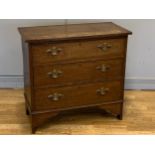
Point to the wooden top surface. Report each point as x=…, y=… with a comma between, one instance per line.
x=73, y=31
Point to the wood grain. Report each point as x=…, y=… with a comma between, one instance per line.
x=74, y=50
x=80, y=95
x=139, y=117
x=71, y=45
x=75, y=31
x=77, y=72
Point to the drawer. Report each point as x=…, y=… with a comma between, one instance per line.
x=71, y=73
x=89, y=94
x=52, y=52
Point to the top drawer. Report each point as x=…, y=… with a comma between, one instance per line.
x=52, y=52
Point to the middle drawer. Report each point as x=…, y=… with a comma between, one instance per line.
x=71, y=73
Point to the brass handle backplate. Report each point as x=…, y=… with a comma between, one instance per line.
x=103, y=68
x=54, y=73
x=102, y=91
x=104, y=46
x=54, y=51
x=55, y=96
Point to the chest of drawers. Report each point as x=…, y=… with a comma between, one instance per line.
x=72, y=67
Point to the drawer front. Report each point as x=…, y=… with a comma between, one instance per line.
x=81, y=95
x=48, y=53
x=72, y=73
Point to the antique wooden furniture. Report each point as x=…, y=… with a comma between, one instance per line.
x=73, y=66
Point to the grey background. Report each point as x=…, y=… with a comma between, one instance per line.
x=140, y=72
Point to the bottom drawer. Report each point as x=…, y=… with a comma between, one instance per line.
x=65, y=97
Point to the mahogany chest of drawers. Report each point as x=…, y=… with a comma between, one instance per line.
x=72, y=67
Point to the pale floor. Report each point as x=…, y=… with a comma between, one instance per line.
x=139, y=117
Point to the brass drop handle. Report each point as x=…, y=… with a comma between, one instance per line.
x=103, y=68
x=55, y=96
x=102, y=91
x=54, y=73
x=104, y=46
x=54, y=51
